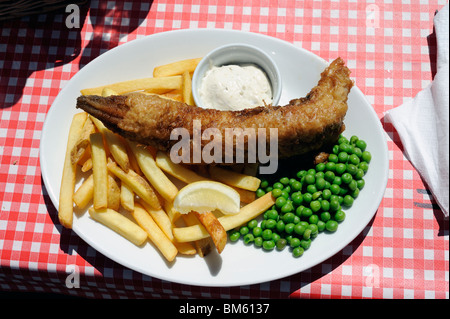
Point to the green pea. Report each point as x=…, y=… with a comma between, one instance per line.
x=268, y=189
x=306, y=213
x=289, y=228
x=320, y=183
x=314, y=229
x=334, y=205
x=244, y=230
x=344, y=147
x=287, y=208
x=249, y=238
x=268, y=244
x=331, y=166
x=310, y=179
x=316, y=195
x=275, y=237
x=354, y=139
x=288, y=217
x=280, y=202
x=280, y=226
x=311, y=188
x=266, y=234
x=315, y=206
x=364, y=166
x=297, y=198
x=325, y=216
x=343, y=157
x=299, y=210
x=351, y=169
x=325, y=205
x=348, y=200
x=346, y=178
x=320, y=225
x=258, y=241
x=331, y=225
x=342, y=139
x=340, y=168
x=335, y=189
x=295, y=242
x=281, y=243
x=359, y=174
x=354, y=159
x=366, y=156
x=326, y=193
x=272, y=214
x=307, y=198
x=360, y=183
x=361, y=145
x=252, y=224
x=235, y=235
x=333, y=158
x=320, y=167
x=299, y=229
x=264, y=183
x=260, y=192
x=301, y=173
x=313, y=219
x=296, y=186
x=335, y=150
x=339, y=216
x=353, y=185
x=305, y=243
x=257, y=231
x=276, y=192
x=278, y=185
x=270, y=224
x=329, y=176
x=284, y=181
x=298, y=251
x=287, y=189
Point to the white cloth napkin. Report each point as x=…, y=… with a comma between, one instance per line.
x=423, y=122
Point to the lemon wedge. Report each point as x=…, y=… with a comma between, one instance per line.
x=207, y=196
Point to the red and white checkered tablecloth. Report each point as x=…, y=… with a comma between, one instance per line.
x=389, y=46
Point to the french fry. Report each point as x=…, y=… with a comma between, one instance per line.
x=176, y=170
x=202, y=246
x=248, y=212
x=171, y=212
x=65, y=209
x=115, y=143
x=188, y=98
x=82, y=145
x=137, y=183
x=156, y=235
x=245, y=195
x=120, y=224
x=113, y=193
x=164, y=223
x=87, y=165
x=99, y=171
x=176, y=95
x=107, y=91
x=154, y=175
x=84, y=193
x=166, y=82
x=126, y=197
x=176, y=68
x=235, y=179
x=214, y=228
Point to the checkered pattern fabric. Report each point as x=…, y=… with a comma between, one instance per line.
x=390, y=48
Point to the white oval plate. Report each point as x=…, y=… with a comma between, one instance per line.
x=238, y=264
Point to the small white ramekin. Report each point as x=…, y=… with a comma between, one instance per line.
x=237, y=53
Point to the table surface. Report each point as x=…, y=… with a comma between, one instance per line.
x=391, y=50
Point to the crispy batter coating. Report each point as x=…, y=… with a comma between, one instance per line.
x=305, y=124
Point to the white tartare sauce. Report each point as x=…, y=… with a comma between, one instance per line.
x=234, y=87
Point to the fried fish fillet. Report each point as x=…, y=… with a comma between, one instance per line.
x=305, y=124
